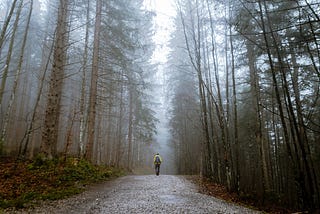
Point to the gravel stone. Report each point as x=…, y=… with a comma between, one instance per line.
x=140, y=194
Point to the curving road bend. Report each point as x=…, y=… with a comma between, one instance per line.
x=141, y=194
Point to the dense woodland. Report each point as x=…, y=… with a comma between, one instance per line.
x=75, y=80
x=242, y=81
x=244, y=87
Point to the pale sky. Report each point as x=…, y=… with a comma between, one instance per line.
x=164, y=24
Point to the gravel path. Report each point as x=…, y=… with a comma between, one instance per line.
x=141, y=194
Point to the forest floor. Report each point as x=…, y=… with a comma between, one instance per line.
x=210, y=188
x=25, y=183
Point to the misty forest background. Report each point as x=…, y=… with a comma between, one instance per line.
x=78, y=79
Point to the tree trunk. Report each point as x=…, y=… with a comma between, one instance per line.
x=130, y=134
x=258, y=122
x=94, y=83
x=196, y=63
x=19, y=68
x=52, y=114
x=5, y=76
x=9, y=55
x=296, y=166
x=235, y=112
x=30, y=127
x=83, y=86
x=305, y=176
x=68, y=138
x=109, y=147
x=118, y=140
x=302, y=135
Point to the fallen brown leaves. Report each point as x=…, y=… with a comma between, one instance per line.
x=23, y=183
x=219, y=191
x=15, y=180
x=210, y=188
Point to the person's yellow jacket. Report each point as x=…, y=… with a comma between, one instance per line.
x=154, y=159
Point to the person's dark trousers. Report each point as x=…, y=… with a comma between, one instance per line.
x=157, y=168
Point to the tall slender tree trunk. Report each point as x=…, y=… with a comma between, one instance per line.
x=98, y=147
x=216, y=157
x=9, y=55
x=196, y=63
x=5, y=76
x=130, y=133
x=30, y=128
x=118, y=140
x=255, y=94
x=52, y=114
x=230, y=177
x=295, y=164
x=198, y=66
x=227, y=157
x=83, y=86
x=18, y=72
x=301, y=129
x=220, y=111
x=94, y=84
x=235, y=111
x=109, y=147
x=68, y=139
x=305, y=175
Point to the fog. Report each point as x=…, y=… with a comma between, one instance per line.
x=162, y=139
x=163, y=24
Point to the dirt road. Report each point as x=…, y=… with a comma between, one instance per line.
x=141, y=194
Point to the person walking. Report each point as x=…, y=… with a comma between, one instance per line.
x=157, y=160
